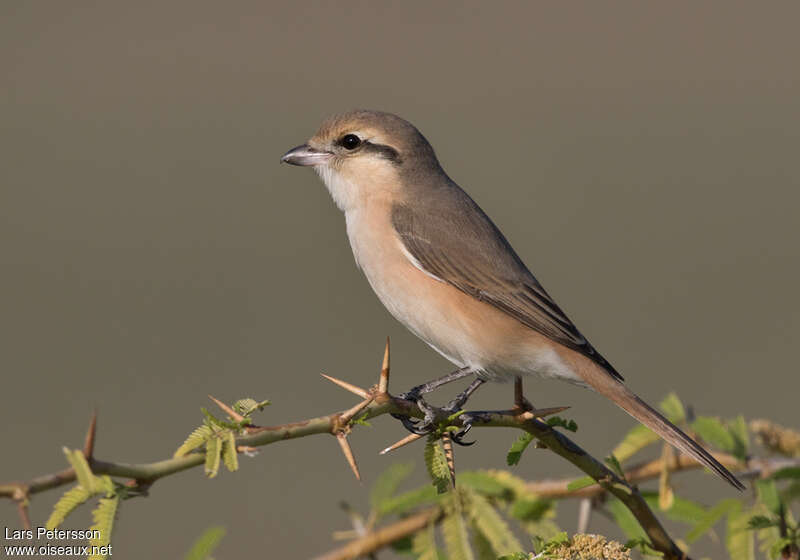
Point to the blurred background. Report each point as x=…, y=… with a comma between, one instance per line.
x=641, y=158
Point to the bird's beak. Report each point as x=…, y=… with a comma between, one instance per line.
x=306, y=155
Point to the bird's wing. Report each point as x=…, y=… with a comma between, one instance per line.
x=449, y=237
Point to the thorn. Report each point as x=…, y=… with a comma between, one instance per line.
x=447, y=445
x=348, y=454
x=345, y=385
x=247, y=450
x=542, y=412
x=584, y=514
x=348, y=415
x=405, y=441
x=236, y=417
x=383, y=383
x=88, y=444
x=21, y=497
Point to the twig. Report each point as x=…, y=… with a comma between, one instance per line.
x=384, y=536
x=753, y=468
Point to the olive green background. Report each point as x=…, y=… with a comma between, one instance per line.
x=642, y=159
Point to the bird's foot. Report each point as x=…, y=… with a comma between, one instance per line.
x=434, y=416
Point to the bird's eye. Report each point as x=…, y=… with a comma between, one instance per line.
x=350, y=141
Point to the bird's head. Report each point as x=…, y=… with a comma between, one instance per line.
x=364, y=154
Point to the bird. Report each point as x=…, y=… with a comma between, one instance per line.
x=443, y=269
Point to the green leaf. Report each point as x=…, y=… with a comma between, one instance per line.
x=423, y=544
x=569, y=425
x=213, y=453
x=82, y=470
x=762, y=522
x=791, y=493
x=673, y=408
x=454, y=530
x=229, y=456
x=613, y=463
x=786, y=473
x=639, y=437
x=517, y=448
x=388, y=482
x=482, y=546
x=66, y=504
x=768, y=494
x=486, y=520
x=776, y=550
x=484, y=483
x=625, y=520
x=530, y=510
x=403, y=545
x=741, y=437
x=213, y=421
x=682, y=510
x=196, y=439
x=740, y=542
x=579, y=483
x=104, y=516
x=403, y=503
x=437, y=465
x=712, y=430
x=205, y=544
x=247, y=406
x=711, y=517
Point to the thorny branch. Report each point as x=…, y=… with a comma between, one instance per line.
x=552, y=489
x=378, y=401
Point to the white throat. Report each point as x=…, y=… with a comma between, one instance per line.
x=343, y=191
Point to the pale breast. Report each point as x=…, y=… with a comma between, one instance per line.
x=464, y=330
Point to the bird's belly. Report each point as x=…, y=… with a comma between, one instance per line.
x=465, y=330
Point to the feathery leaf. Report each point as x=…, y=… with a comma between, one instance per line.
x=104, y=516
x=712, y=430
x=488, y=522
x=205, y=544
x=213, y=452
x=625, y=520
x=437, y=465
x=82, y=470
x=579, y=483
x=517, y=448
x=247, y=406
x=454, y=530
x=407, y=501
x=229, y=456
x=196, y=439
x=567, y=424
x=387, y=483
x=639, y=437
x=423, y=544
x=711, y=517
x=740, y=541
x=673, y=408
x=65, y=505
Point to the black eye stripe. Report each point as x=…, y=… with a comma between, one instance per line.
x=382, y=150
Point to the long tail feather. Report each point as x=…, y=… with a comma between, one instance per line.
x=650, y=417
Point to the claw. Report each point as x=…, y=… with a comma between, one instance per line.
x=412, y=424
x=458, y=437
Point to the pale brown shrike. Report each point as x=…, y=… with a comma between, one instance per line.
x=444, y=270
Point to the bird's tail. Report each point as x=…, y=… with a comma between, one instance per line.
x=653, y=419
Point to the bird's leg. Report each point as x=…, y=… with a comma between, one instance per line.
x=415, y=394
x=520, y=402
x=456, y=404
